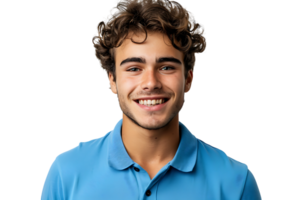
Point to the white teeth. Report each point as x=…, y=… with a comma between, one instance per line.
x=152, y=102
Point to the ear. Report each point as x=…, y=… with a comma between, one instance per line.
x=113, y=86
x=188, y=81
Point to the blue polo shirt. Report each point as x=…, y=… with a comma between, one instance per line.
x=101, y=169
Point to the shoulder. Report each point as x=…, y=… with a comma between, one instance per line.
x=83, y=149
x=69, y=164
x=83, y=154
x=232, y=177
x=214, y=157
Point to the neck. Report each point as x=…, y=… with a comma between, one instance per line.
x=147, y=147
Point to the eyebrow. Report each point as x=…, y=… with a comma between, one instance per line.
x=159, y=60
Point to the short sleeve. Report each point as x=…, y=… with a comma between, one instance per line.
x=251, y=191
x=53, y=185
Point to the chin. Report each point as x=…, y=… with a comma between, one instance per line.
x=151, y=124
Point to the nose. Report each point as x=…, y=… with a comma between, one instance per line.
x=150, y=80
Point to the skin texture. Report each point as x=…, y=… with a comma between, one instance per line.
x=151, y=137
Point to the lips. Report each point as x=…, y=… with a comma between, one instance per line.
x=152, y=108
x=137, y=100
x=151, y=98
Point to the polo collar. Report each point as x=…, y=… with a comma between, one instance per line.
x=184, y=159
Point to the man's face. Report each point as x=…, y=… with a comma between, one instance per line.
x=150, y=80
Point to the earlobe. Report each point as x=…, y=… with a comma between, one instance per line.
x=113, y=87
x=190, y=82
x=111, y=84
x=192, y=74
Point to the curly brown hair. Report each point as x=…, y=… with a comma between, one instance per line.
x=167, y=17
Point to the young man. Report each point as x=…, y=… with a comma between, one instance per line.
x=149, y=153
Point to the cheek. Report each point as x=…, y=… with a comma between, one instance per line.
x=126, y=85
x=175, y=83
x=127, y=81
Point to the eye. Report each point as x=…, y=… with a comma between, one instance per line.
x=131, y=69
x=162, y=68
x=168, y=67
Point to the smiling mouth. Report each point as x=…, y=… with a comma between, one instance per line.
x=165, y=100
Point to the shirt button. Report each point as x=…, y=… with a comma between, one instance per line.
x=148, y=193
x=136, y=169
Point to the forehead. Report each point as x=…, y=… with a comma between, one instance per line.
x=156, y=45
